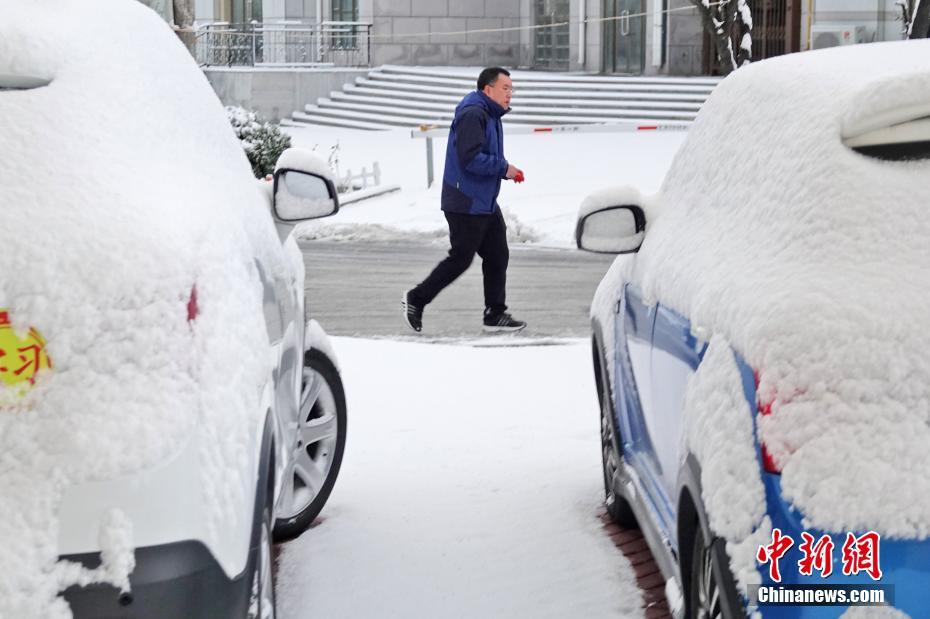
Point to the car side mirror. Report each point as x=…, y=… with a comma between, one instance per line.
x=303, y=187
x=611, y=222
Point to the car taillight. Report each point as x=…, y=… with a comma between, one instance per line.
x=192, y=309
x=765, y=408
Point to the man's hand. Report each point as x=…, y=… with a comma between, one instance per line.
x=514, y=173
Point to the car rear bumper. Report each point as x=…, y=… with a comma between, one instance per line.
x=171, y=580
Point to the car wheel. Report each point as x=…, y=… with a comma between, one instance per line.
x=262, y=599
x=618, y=508
x=713, y=590
x=317, y=453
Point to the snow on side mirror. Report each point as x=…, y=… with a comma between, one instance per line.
x=303, y=187
x=611, y=221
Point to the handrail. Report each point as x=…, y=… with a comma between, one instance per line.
x=334, y=43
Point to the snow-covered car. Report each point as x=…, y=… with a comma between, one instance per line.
x=761, y=350
x=167, y=409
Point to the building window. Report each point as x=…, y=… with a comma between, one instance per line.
x=345, y=10
x=551, y=44
x=246, y=11
x=344, y=37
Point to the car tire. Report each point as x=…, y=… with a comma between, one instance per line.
x=262, y=597
x=304, y=493
x=713, y=590
x=618, y=508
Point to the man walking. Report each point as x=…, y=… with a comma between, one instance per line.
x=475, y=166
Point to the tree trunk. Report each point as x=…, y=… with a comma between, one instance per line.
x=184, y=20
x=920, y=20
x=729, y=25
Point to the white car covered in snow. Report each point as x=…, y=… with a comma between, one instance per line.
x=762, y=351
x=166, y=409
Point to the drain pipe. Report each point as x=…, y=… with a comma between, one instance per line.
x=810, y=21
x=581, y=34
x=658, y=26
x=319, y=30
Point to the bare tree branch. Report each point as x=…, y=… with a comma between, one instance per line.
x=729, y=23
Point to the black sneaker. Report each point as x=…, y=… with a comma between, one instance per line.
x=413, y=314
x=501, y=323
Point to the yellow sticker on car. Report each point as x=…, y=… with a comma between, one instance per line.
x=21, y=357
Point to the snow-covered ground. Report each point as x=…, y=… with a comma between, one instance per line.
x=561, y=169
x=470, y=488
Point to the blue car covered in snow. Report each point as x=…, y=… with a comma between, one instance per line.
x=758, y=345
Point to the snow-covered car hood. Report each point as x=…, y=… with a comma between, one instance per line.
x=122, y=187
x=812, y=261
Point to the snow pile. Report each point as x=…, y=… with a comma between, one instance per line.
x=517, y=231
x=123, y=187
x=621, y=195
x=313, y=231
x=561, y=169
x=305, y=161
x=116, y=553
x=718, y=430
x=812, y=261
x=489, y=507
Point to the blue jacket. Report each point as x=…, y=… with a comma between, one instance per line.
x=475, y=161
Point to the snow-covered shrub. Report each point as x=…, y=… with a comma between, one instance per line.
x=262, y=141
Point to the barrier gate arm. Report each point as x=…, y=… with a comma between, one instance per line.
x=436, y=131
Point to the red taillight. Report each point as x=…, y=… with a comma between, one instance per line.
x=192, y=309
x=768, y=462
x=765, y=408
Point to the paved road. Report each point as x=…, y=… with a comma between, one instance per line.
x=355, y=288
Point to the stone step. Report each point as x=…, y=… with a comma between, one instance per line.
x=455, y=96
x=394, y=96
x=536, y=76
x=552, y=115
x=520, y=101
x=467, y=84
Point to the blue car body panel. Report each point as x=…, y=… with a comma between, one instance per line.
x=656, y=351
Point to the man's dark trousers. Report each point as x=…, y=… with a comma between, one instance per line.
x=485, y=235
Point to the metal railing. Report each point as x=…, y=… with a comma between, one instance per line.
x=342, y=44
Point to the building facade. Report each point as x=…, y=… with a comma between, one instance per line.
x=630, y=37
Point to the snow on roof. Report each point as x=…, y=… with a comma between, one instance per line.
x=122, y=187
x=812, y=260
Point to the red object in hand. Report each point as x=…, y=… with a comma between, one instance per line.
x=518, y=178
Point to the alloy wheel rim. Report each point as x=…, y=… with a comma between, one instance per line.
x=708, y=591
x=315, y=446
x=608, y=459
x=267, y=588
x=261, y=600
